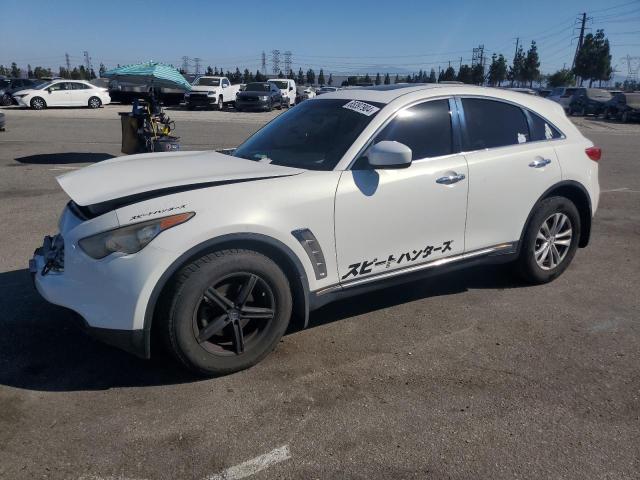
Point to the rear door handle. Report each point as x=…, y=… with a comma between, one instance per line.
x=540, y=162
x=450, y=179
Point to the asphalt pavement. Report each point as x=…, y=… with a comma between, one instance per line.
x=469, y=375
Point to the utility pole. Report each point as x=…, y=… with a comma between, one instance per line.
x=515, y=55
x=460, y=64
x=68, y=62
x=87, y=63
x=287, y=62
x=196, y=62
x=275, y=61
x=263, y=67
x=580, y=40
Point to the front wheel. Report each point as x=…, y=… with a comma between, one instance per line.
x=550, y=241
x=220, y=104
x=5, y=101
x=227, y=311
x=625, y=117
x=38, y=103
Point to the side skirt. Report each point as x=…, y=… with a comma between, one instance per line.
x=502, y=253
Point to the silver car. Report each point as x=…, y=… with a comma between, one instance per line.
x=562, y=95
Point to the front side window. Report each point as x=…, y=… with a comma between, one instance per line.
x=313, y=136
x=491, y=124
x=59, y=86
x=424, y=128
x=541, y=129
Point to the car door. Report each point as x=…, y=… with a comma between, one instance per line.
x=59, y=95
x=225, y=93
x=80, y=93
x=389, y=220
x=508, y=171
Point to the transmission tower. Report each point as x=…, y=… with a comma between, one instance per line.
x=263, y=65
x=185, y=64
x=287, y=62
x=68, y=63
x=275, y=61
x=477, y=57
x=196, y=62
x=633, y=65
x=87, y=62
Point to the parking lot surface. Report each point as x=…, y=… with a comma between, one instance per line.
x=467, y=375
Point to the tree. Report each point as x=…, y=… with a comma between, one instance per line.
x=29, y=71
x=300, y=79
x=247, y=77
x=378, y=80
x=516, y=70
x=432, y=77
x=531, y=65
x=15, y=71
x=260, y=77
x=209, y=71
x=280, y=74
x=330, y=81
x=477, y=74
x=594, y=58
x=311, y=76
x=366, y=79
x=464, y=74
x=497, y=70
x=387, y=80
x=291, y=75
x=561, y=78
x=448, y=75
x=397, y=79
x=103, y=69
x=92, y=74
x=321, y=77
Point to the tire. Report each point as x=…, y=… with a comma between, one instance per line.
x=624, y=118
x=607, y=115
x=238, y=109
x=220, y=104
x=270, y=106
x=279, y=107
x=5, y=101
x=197, y=297
x=95, y=102
x=570, y=112
x=38, y=103
x=583, y=112
x=529, y=264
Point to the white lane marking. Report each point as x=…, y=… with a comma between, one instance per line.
x=63, y=168
x=109, y=477
x=253, y=466
x=616, y=190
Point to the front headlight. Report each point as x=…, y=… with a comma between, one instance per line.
x=211, y=93
x=20, y=95
x=264, y=97
x=131, y=238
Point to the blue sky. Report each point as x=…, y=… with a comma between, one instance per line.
x=340, y=36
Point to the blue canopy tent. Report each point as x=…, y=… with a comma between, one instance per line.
x=154, y=74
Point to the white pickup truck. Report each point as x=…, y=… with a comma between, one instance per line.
x=211, y=92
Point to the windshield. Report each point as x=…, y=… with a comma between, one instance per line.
x=314, y=135
x=258, y=87
x=43, y=86
x=208, y=82
x=598, y=94
x=280, y=84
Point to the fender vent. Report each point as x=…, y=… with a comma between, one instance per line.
x=310, y=244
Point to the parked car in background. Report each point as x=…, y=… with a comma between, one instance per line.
x=562, y=95
x=588, y=101
x=8, y=86
x=287, y=89
x=624, y=107
x=528, y=91
x=211, y=92
x=353, y=191
x=544, y=93
x=259, y=96
x=323, y=90
x=63, y=93
x=304, y=93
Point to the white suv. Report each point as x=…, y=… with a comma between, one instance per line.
x=352, y=191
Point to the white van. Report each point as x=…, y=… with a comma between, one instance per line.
x=287, y=88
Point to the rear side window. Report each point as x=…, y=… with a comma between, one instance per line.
x=424, y=128
x=541, y=129
x=493, y=124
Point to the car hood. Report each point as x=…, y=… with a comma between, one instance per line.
x=204, y=88
x=248, y=93
x=157, y=174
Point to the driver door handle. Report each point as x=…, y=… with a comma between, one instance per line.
x=540, y=162
x=450, y=179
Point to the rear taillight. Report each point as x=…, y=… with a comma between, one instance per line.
x=594, y=153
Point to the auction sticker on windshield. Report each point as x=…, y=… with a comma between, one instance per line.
x=361, y=107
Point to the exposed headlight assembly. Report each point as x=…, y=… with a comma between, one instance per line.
x=131, y=238
x=211, y=93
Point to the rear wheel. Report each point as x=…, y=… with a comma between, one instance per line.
x=38, y=103
x=550, y=241
x=95, y=102
x=220, y=104
x=227, y=311
x=5, y=101
x=624, y=117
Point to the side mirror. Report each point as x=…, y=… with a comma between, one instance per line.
x=290, y=89
x=388, y=154
x=49, y=89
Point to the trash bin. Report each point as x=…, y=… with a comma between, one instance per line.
x=130, y=139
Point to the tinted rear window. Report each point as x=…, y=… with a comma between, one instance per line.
x=541, y=129
x=493, y=124
x=424, y=128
